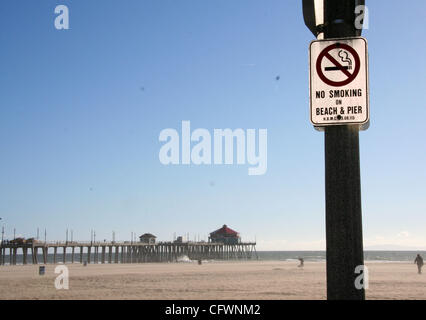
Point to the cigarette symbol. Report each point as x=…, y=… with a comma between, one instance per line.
x=344, y=57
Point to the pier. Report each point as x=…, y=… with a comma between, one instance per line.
x=123, y=252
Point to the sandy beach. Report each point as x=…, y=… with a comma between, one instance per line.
x=256, y=280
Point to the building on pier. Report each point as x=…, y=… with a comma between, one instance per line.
x=225, y=235
x=147, y=238
x=179, y=239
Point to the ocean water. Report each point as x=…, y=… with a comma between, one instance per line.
x=377, y=256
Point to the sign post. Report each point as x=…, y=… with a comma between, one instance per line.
x=339, y=107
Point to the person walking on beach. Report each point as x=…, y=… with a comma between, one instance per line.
x=301, y=263
x=419, y=261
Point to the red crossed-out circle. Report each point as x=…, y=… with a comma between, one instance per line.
x=350, y=76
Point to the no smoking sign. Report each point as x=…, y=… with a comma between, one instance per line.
x=339, y=82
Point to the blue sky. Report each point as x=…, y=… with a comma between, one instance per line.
x=81, y=111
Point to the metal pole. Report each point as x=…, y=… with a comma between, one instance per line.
x=342, y=187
